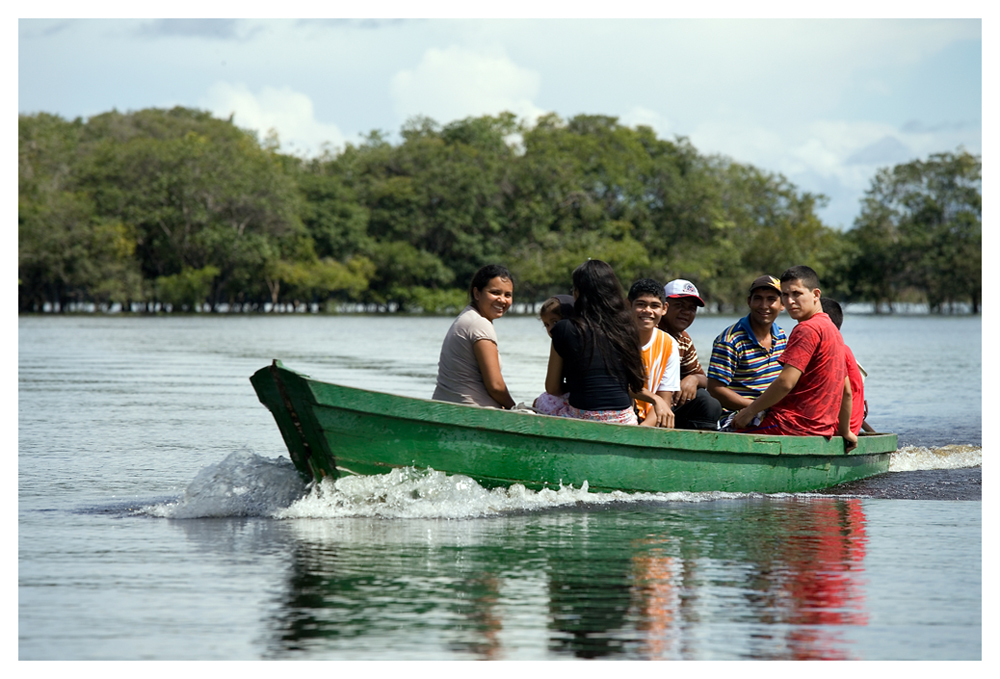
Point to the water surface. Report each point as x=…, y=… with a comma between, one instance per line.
x=128, y=424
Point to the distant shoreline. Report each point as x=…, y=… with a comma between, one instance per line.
x=522, y=309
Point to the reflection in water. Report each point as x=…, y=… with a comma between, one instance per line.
x=820, y=590
x=483, y=617
x=772, y=578
x=656, y=594
x=589, y=587
x=357, y=586
x=798, y=565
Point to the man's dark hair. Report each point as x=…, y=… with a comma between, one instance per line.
x=803, y=274
x=831, y=308
x=646, y=286
x=485, y=275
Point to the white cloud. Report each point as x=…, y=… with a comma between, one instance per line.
x=639, y=115
x=828, y=148
x=456, y=82
x=836, y=157
x=759, y=70
x=288, y=112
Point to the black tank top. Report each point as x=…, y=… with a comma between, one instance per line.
x=593, y=382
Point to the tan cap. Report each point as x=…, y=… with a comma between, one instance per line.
x=766, y=282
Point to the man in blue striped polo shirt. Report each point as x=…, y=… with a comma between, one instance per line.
x=745, y=355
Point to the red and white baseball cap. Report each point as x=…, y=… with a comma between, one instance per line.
x=682, y=288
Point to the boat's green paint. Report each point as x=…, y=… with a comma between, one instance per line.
x=332, y=430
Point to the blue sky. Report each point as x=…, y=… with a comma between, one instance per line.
x=826, y=102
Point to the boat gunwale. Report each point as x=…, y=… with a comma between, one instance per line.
x=549, y=427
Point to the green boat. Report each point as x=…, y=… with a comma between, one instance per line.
x=332, y=431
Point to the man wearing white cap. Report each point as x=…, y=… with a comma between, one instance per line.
x=694, y=407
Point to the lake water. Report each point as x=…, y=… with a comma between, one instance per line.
x=160, y=518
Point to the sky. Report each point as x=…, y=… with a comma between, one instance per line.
x=825, y=102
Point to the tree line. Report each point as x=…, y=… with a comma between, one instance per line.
x=175, y=209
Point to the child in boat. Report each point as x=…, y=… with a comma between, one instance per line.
x=812, y=394
x=660, y=356
x=553, y=310
x=599, y=354
x=859, y=406
x=469, y=365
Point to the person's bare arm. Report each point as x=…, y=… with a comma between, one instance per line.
x=668, y=398
x=777, y=390
x=488, y=359
x=729, y=399
x=844, y=424
x=662, y=415
x=864, y=424
x=554, y=373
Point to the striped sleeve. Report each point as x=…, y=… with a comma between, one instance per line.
x=689, y=356
x=724, y=359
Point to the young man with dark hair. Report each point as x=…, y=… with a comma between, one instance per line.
x=694, y=407
x=859, y=407
x=659, y=350
x=812, y=394
x=745, y=355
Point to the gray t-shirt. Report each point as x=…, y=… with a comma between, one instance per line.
x=459, y=379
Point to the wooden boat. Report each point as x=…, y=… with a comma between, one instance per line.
x=332, y=430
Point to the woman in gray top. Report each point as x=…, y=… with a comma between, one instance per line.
x=469, y=366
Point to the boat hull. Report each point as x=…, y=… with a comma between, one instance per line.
x=331, y=430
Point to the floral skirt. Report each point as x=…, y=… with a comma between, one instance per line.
x=559, y=406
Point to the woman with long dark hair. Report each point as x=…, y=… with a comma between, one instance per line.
x=469, y=365
x=599, y=353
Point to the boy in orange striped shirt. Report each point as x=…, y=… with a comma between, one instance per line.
x=659, y=350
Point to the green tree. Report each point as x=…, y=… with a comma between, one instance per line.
x=433, y=206
x=318, y=280
x=920, y=228
x=332, y=214
x=188, y=289
x=198, y=191
x=400, y=268
x=177, y=205
x=66, y=250
x=768, y=226
x=579, y=193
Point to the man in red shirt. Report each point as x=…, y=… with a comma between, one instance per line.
x=812, y=394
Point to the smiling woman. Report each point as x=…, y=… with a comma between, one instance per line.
x=469, y=365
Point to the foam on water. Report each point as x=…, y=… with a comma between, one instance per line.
x=918, y=458
x=243, y=484
x=417, y=493
x=246, y=484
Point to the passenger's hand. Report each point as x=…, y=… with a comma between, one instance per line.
x=742, y=419
x=664, y=415
x=688, y=390
x=850, y=441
